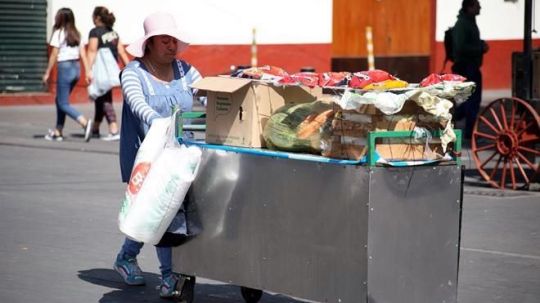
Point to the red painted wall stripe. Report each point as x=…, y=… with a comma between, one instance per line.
x=217, y=59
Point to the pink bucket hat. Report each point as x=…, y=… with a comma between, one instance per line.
x=154, y=25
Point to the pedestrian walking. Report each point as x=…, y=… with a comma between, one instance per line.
x=66, y=51
x=469, y=51
x=152, y=85
x=103, y=36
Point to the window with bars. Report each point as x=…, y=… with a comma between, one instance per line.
x=23, y=45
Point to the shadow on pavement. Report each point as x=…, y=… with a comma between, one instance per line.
x=473, y=178
x=121, y=292
x=207, y=293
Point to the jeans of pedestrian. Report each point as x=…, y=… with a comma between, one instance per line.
x=68, y=75
x=132, y=249
x=470, y=108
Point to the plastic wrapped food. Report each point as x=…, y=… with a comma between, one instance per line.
x=266, y=72
x=364, y=78
x=437, y=78
x=299, y=127
x=306, y=78
x=334, y=79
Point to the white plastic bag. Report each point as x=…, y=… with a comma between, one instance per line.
x=162, y=174
x=105, y=73
x=152, y=145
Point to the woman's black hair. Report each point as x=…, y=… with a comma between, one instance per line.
x=66, y=20
x=105, y=16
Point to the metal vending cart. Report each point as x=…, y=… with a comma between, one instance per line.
x=325, y=230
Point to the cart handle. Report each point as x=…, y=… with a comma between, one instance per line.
x=372, y=136
x=180, y=127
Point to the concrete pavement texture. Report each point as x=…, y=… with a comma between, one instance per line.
x=59, y=236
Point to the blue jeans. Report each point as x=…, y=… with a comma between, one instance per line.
x=68, y=75
x=132, y=249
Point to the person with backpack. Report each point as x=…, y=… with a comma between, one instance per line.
x=468, y=52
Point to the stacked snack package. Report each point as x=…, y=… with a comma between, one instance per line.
x=348, y=133
x=350, y=130
x=420, y=109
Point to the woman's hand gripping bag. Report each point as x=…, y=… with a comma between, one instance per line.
x=157, y=188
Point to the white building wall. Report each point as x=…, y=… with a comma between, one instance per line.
x=498, y=19
x=215, y=21
x=277, y=21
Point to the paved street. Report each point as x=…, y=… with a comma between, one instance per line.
x=59, y=235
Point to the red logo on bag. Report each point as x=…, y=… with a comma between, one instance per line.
x=137, y=177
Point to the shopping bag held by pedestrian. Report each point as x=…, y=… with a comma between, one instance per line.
x=105, y=74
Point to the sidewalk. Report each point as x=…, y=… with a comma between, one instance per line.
x=27, y=126
x=78, y=96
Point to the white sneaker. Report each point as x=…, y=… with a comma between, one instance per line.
x=111, y=137
x=88, y=130
x=51, y=136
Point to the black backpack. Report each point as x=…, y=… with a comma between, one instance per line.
x=448, y=46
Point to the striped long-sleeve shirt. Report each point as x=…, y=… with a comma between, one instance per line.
x=133, y=91
x=146, y=99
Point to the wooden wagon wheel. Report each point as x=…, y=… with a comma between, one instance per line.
x=506, y=143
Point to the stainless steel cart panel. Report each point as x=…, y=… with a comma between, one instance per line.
x=325, y=232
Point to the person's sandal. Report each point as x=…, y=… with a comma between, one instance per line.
x=177, y=287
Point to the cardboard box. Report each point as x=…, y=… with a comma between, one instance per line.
x=237, y=109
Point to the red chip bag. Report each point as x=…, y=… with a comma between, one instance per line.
x=430, y=80
x=333, y=79
x=453, y=77
x=436, y=78
x=307, y=78
x=287, y=80
x=378, y=75
x=359, y=80
x=363, y=78
x=274, y=70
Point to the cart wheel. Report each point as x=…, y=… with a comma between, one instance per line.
x=505, y=143
x=188, y=290
x=251, y=295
